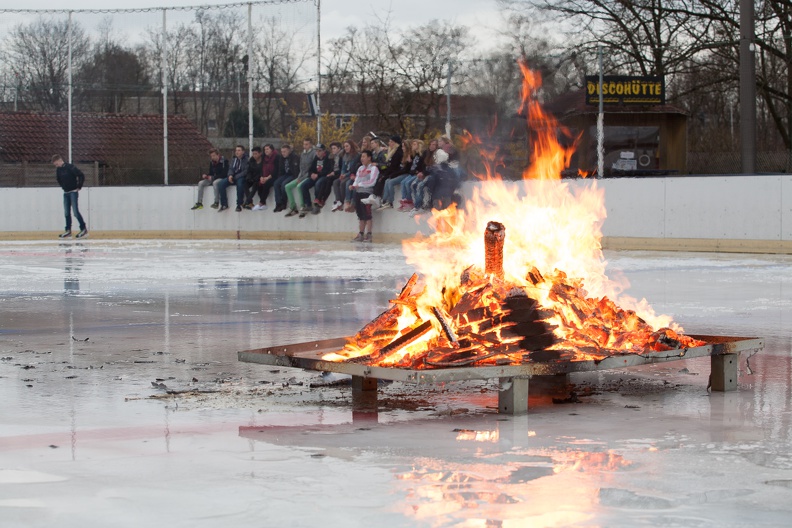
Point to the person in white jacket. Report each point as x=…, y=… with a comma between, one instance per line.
x=363, y=186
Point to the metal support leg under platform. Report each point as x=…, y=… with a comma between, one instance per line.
x=513, y=395
x=723, y=373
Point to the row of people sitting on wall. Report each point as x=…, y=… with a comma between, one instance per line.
x=428, y=176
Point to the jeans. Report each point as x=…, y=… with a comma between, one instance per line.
x=263, y=190
x=389, y=193
x=203, y=184
x=280, y=190
x=407, y=187
x=69, y=206
x=240, y=182
x=324, y=186
x=304, y=190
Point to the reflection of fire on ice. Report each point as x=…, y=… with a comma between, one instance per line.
x=516, y=276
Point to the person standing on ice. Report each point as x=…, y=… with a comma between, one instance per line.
x=71, y=180
x=365, y=179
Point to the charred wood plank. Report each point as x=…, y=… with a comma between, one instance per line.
x=445, y=324
x=417, y=331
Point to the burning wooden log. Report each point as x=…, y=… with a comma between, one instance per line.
x=494, y=237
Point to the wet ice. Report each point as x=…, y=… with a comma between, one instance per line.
x=249, y=445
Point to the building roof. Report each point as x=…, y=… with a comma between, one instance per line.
x=35, y=137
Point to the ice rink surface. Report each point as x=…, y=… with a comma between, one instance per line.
x=122, y=402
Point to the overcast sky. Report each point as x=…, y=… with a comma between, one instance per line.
x=482, y=16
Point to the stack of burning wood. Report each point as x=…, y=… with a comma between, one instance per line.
x=488, y=320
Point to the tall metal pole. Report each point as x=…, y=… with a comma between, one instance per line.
x=165, y=94
x=747, y=88
x=318, y=71
x=600, y=123
x=70, y=88
x=448, y=99
x=249, y=69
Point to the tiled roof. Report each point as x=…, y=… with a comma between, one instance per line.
x=35, y=137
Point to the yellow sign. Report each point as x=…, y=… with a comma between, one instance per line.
x=625, y=90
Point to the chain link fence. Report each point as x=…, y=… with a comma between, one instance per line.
x=137, y=96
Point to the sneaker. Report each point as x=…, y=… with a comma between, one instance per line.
x=198, y=205
x=65, y=234
x=222, y=208
x=303, y=213
x=316, y=209
x=292, y=212
x=367, y=238
x=262, y=207
x=406, y=206
x=358, y=238
x=337, y=206
x=257, y=207
x=415, y=212
x=83, y=233
x=248, y=206
x=376, y=203
x=349, y=208
x=215, y=205
x=384, y=206
x=238, y=208
x=278, y=209
x=370, y=200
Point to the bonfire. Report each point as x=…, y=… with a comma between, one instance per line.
x=516, y=276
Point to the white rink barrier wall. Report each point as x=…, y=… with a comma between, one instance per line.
x=712, y=213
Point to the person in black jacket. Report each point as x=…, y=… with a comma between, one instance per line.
x=218, y=169
x=71, y=180
x=287, y=168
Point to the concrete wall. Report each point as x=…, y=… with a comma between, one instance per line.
x=716, y=213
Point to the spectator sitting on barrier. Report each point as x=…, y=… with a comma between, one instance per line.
x=321, y=166
x=237, y=175
x=218, y=169
x=350, y=161
x=424, y=187
x=306, y=160
x=252, y=177
x=287, y=167
x=366, y=177
x=390, y=169
x=408, y=161
x=267, y=178
x=365, y=143
x=417, y=165
x=453, y=155
x=410, y=185
x=325, y=185
x=379, y=153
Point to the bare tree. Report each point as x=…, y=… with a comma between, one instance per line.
x=37, y=55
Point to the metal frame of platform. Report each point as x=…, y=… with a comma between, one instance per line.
x=513, y=395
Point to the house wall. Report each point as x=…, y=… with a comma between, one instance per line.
x=717, y=213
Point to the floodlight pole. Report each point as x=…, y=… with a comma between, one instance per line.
x=249, y=69
x=165, y=94
x=747, y=88
x=600, y=122
x=69, y=154
x=448, y=98
x=318, y=71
